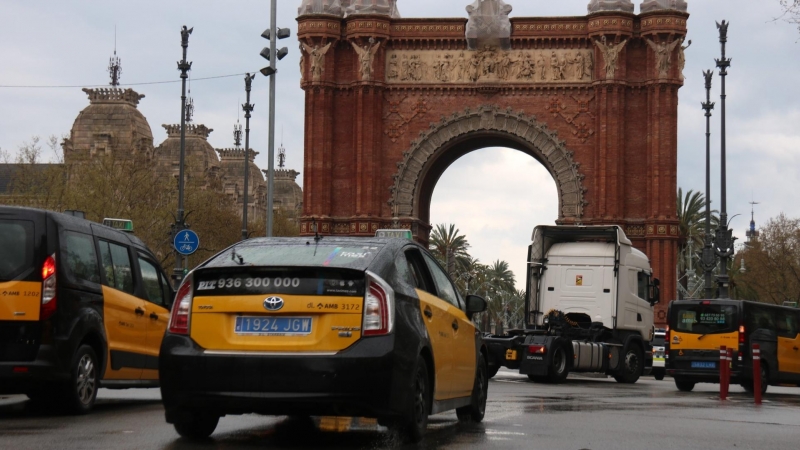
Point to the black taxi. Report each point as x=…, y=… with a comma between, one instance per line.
x=368, y=327
x=82, y=306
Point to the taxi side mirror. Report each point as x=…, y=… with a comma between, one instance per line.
x=475, y=305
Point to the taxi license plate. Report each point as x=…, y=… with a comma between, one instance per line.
x=273, y=326
x=704, y=365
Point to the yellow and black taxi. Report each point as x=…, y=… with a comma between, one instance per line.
x=698, y=328
x=368, y=327
x=82, y=306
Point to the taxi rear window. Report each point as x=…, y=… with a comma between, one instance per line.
x=16, y=248
x=356, y=257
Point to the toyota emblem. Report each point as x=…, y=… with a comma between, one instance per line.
x=273, y=303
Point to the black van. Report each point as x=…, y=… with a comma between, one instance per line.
x=82, y=306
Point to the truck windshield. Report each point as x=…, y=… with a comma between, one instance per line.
x=705, y=319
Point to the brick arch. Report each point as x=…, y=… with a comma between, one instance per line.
x=490, y=125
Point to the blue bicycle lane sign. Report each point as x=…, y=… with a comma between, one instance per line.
x=186, y=242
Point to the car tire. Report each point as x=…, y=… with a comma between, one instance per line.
x=631, y=365
x=415, y=422
x=748, y=384
x=477, y=408
x=199, y=427
x=80, y=393
x=559, y=366
x=493, y=371
x=658, y=376
x=684, y=386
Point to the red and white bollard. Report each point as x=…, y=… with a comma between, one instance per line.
x=757, y=374
x=723, y=373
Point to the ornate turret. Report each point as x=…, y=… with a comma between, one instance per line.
x=111, y=124
x=380, y=7
x=489, y=24
x=655, y=5
x=752, y=233
x=201, y=159
x=610, y=5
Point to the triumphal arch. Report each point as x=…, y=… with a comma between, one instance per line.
x=392, y=102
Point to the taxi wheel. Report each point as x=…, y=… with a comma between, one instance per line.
x=201, y=426
x=685, y=386
x=477, y=409
x=81, y=391
x=748, y=384
x=416, y=422
x=659, y=376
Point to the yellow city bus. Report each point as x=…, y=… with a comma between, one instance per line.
x=697, y=329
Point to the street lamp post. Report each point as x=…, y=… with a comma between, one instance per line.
x=184, y=66
x=723, y=240
x=709, y=260
x=248, y=108
x=273, y=55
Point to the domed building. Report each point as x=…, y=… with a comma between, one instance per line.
x=288, y=194
x=201, y=158
x=111, y=124
x=232, y=166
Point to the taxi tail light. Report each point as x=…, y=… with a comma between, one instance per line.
x=741, y=335
x=378, y=307
x=48, y=307
x=537, y=349
x=666, y=339
x=179, y=319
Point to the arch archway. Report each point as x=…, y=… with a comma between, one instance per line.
x=436, y=149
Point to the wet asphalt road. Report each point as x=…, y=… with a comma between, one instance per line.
x=583, y=413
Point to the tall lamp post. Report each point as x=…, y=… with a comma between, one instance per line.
x=248, y=108
x=723, y=240
x=709, y=260
x=184, y=66
x=271, y=53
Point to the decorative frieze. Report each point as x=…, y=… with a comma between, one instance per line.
x=489, y=65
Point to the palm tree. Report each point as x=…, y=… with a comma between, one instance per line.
x=691, y=228
x=449, y=247
x=501, y=277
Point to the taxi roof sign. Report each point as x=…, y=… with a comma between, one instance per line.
x=394, y=233
x=119, y=224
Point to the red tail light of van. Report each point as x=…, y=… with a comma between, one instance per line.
x=48, y=307
x=181, y=309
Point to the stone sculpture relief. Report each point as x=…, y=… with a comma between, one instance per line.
x=333, y=7
x=489, y=65
x=317, y=55
x=655, y=5
x=610, y=56
x=682, y=57
x=382, y=7
x=488, y=24
x=366, y=55
x=663, y=53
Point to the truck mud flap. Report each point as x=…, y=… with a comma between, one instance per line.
x=536, y=364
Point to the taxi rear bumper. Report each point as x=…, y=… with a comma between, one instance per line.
x=362, y=380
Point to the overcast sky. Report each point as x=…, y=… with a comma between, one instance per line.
x=495, y=196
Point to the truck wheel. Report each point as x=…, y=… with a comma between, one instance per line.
x=558, y=369
x=631, y=366
x=201, y=426
x=493, y=371
x=81, y=392
x=658, y=376
x=477, y=409
x=683, y=385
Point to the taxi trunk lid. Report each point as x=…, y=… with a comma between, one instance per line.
x=286, y=310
